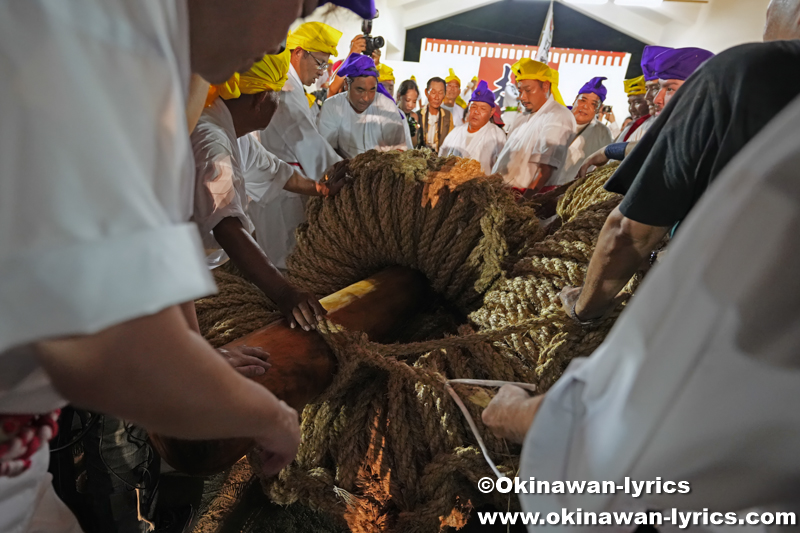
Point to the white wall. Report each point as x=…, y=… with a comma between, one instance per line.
x=721, y=25
x=388, y=25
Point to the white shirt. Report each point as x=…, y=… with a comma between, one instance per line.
x=433, y=125
x=483, y=146
x=234, y=178
x=292, y=135
x=275, y=213
x=96, y=210
x=591, y=137
x=94, y=213
x=380, y=126
x=457, y=112
x=542, y=139
x=219, y=182
x=698, y=379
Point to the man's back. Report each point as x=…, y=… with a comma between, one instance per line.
x=716, y=113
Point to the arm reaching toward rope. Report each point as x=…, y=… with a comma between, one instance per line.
x=511, y=413
x=330, y=185
x=622, y=246
x=300, y=308
x=158, y=373
x=542, y=176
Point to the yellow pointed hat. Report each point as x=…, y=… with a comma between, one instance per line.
x=635, y=86
x=528, y=69
x=269, y=74
x=385, y=73
x=452, y=77
x=314, y=37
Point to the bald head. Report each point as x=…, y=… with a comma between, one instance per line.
x=783, y=20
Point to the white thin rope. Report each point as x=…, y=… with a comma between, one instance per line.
x=481, y=383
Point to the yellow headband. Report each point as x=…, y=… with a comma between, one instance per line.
x=528, y=69
x=636, y=86
x=314, y=37
x=452, y=77
x=385, y=73
x=269, y=74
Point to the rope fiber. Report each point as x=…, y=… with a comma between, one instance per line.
x=386, y=448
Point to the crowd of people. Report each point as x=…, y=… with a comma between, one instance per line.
x=111, y=233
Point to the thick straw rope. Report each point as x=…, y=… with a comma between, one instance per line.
x=386, y=448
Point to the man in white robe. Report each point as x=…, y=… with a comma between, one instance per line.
x=591, y=134
x=478, y=139
x=698, y=380
x=452, y=99
x=293, y=137
x=537, y=147
x=246, y=103
x=362, y=118
x=101, y=255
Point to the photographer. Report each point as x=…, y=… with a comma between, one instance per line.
x=361, y=44
x=605, y=116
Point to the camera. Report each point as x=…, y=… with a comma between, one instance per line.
x=373, y=43
x=607, y=109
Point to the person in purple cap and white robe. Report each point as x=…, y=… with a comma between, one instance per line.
x=364, y=117
x=591, y=136
x=478, y=138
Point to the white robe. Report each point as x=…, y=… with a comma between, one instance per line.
x=483, y=146
x=219, y=183
x=292, y=134
x=593, y=137
x=100, y=202
x=698, y=381
x=293, y=137
x=275, y=212
x=542, y=139
x=380, y=126
x=234, y=178
x=458, y=114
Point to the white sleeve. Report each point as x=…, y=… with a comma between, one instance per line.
x=701, y=371
x=264, y=174
x=219, y=185
x=393, y=130
x=500, y=142
x=552, y=143
x=328, y=122
x=96, y=167
x=292, y=131
x=407, y=130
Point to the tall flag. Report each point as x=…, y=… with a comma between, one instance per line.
x=546, y=40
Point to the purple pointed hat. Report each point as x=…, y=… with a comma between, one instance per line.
x=483, y=94
x=363, y=8
x=648, y=60
x=595, y=85
x=357, y=65
x=680, y=63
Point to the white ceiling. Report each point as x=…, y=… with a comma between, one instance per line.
x=716, y=25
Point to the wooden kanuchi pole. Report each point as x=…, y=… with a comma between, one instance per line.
x=303, y=365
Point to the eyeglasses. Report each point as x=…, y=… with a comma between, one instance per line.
x=321, y=65
x=584, y=100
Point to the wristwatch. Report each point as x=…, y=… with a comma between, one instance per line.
x=585, y=324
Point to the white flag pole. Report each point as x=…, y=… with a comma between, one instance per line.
x=546, y=40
